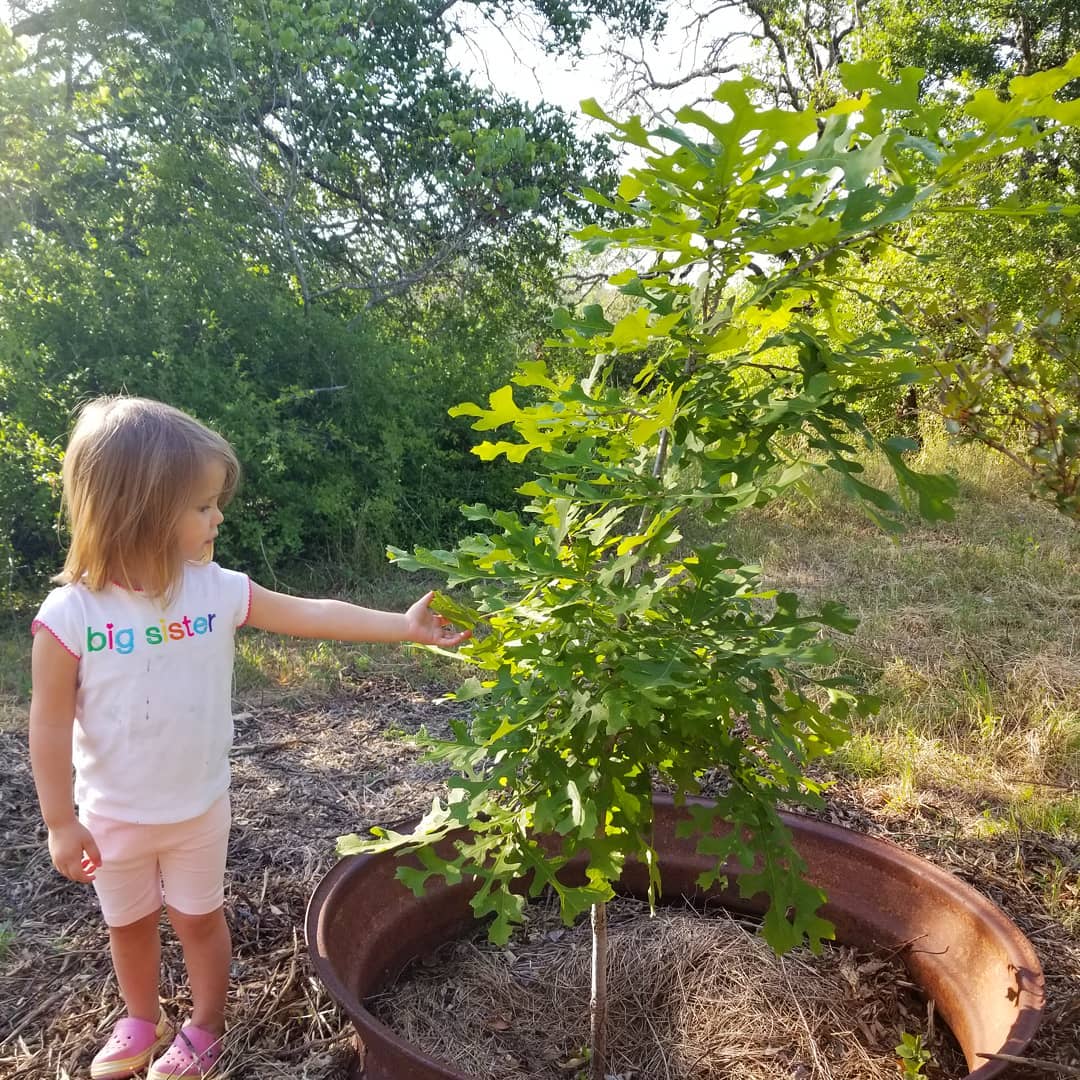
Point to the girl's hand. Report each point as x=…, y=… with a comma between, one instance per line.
x=427, y=627
x=74, y=852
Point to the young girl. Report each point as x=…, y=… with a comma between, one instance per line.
x=136, y=656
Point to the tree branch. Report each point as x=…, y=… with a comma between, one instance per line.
x=759, y=8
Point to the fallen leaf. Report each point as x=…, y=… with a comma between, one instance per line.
x=850, y=973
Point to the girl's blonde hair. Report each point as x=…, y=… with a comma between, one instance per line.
x=131, y=466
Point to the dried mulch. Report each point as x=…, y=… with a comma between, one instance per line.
x=1006, y=868
x=304, y=774
x=691, y=996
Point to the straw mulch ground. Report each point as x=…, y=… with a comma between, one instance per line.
x=301, y=777
x=691, y=995
x=305, y=774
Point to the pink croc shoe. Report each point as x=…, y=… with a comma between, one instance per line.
x=193, y=1053
x=131, y=1045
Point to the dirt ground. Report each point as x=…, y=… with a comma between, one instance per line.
x=304, y=774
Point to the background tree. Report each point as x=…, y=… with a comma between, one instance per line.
x=796, y=49
x=298, y=221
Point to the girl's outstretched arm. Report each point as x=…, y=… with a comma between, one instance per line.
x=52, y=714
x=335, y=619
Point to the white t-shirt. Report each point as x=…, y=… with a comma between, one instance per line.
x=153, y=709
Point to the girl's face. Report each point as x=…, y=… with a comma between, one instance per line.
x=200, y=517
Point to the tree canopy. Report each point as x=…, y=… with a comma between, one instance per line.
x=297, y=220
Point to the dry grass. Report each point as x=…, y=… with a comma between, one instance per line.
x=302, y=777
x=691, y=995
x=970, y=633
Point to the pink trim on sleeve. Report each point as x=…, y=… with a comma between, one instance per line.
x=38, y=624
x=247, y=613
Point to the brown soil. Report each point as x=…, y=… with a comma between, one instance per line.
x=304, y=774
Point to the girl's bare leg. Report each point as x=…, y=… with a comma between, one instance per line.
x=207, y=947
x=136, y=956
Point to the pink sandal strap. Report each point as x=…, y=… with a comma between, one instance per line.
x=193, y=1053
x=208, y=1043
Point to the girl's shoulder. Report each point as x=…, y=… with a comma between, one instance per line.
x=63, y=596
x=230, y=589
x=63, y=614
x=211, y=573
x=77, y=600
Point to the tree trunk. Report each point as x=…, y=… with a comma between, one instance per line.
x=908, y=409
x=598, y=1001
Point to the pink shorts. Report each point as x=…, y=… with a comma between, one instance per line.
x=182, y=863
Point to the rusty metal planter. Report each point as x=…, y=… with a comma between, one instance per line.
x=363, y=927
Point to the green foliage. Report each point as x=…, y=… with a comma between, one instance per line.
x=1007, y=261
x=342, y=431
x=340, y=148
x=28, y=479
x=607, y=657
x=1015, y=387
x=799, y=53
x=914, y=1057
x=955, y=41
x=300, y=224
x=7, y=939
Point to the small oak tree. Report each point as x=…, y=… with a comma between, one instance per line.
x=609, y=658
